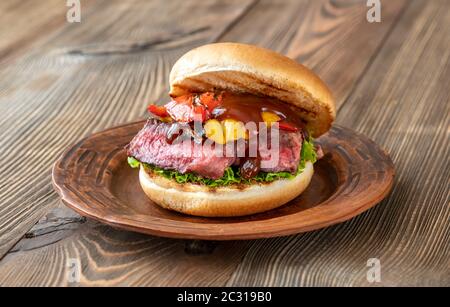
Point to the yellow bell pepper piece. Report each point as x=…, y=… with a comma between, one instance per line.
x=214, y=131
x=270, y=118
x=234, y=130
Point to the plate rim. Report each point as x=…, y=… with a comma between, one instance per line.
x=175, y=231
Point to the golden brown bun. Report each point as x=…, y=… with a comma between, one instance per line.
x=250, y=69
x=226, y=201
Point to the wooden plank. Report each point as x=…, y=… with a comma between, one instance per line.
x=98, y=59
x=403, y=103
x=89, y=76
x=85, y=57
x=29, y=24
x=114, y=258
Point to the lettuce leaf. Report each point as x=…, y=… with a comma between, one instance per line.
x=133, y=163
x=232, y=175
x=308, y=151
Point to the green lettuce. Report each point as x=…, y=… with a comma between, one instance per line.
x=133, y=163
x=308, y=151
x=232, y=175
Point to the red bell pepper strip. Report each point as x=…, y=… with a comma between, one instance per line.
x=182, y=109
x=200, y=113
x=287, y=126
x=179, y=111
x=159, y=111
x=210, y=100
x=193, y=107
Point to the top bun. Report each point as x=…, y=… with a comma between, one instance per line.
x=250, y=69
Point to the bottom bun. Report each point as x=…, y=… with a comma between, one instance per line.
x=194, y=199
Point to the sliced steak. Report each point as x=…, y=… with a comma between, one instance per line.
x=289, y=154
x=151, y=146
x=154, y=145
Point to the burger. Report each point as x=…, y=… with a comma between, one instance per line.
x=236, y=137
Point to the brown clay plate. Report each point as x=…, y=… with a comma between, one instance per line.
x=94, y=179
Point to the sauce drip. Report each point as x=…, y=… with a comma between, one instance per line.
x=173, y=133
x=250, y=167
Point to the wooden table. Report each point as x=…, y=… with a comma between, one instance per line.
x=61, y=81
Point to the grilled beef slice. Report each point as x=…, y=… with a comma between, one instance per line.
x=153, y=146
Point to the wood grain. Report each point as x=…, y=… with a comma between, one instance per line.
x=323, y=35
x=404, y=104
x=16, y=34
x=81, y=81
x=114, y=258
x=28, y=25
x=54, y=97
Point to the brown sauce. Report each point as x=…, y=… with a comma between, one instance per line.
x=250, y=167
x=248, y=108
